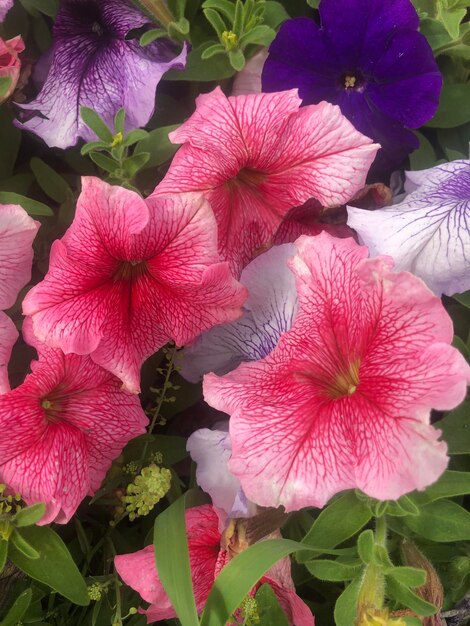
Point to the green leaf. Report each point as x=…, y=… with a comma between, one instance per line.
x=424, y=156
x=172, y=561
x=152, y=35
x=455, y=428
x=48, y=7
x=442, y=520
x=463, y=298
x=134, y=137
x=5, y=84
x=451, y=112
x=93, y=145
x=135, y=163
x=346, y=605
x=54, y=567
x=106, y=163
x=261, y=35
x=50, y=182
x=215, y=21
x=158, y=146
x=408, y=576
x=239, y=576
x=226, y=7
x=274, y=13
x=209, y=52
x=119, y=120
x=200, y=70
x=451, y=20
x=94, y=121
x=402, y=506
x=32, y=207
x=11, y=139
x=30, y=515
x=449, y=485
x=332, y=570
x=408, y=598
x=19, y=608
x=365, y=546
x=23, y=546
x=341, y=519
x=237, y=59
x=269, y=609
x=3, y=554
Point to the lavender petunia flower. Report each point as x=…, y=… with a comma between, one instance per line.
x=94, y=65
x=368, y=58
x=268, y=312
x=5, y=6
x=427, y=233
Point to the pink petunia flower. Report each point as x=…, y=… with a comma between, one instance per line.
x=256, y=156
x=131, y=274
x=344, y=398
x=10, y=64
x=62, y=428
x=207, y=557
x=17, y=232
x=8, y=336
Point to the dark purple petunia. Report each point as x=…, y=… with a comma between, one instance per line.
x=368, y=58
x=94, y=65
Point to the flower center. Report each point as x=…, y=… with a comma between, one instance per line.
x=352, y=81
x=128, y=270
x=349, y=81
x=345, y=383
x=53, y=408
x=248, y=177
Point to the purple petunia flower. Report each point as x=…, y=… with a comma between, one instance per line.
x=5, y=6
x=94, y=65
x=368, y=58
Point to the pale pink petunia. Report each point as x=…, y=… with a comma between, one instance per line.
x=344, y=399
x=256, y=156
x=62, y=428
x=17, y=232
x=131, y=274
x=8, y=336
x=207, y=557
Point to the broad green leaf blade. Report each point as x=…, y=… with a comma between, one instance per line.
x=19, y=608
x=325, y=569
x=50, y=182
x=94, y=121
x=158, y=146
x=30, y=515
x=32, y=207
x=449, y=485
x=451, y=113
x=366, y=545
x=455, y=429
x=172, y=561
x=269, y=610
x=239, y=576
x=408, y=598
x=346, y=604
x=55, y=567
x=441, y=521
x=408, y=576
x=336, y=523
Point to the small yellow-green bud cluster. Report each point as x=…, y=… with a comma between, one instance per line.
x=157, y=457
x=379, y=617
x=229, y=39
x=95, y=591
x=249, y=609
x=148, y=488
x=131, y=468
x=9, y=506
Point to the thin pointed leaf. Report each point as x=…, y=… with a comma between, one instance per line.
x=23, y=546
x=30, y=515
x=19, y=608
x=32, y=207
x=94, y=121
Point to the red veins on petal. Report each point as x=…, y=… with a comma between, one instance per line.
x=131, y=274
x=256, y=156
x=62, y=428
x=344, y=399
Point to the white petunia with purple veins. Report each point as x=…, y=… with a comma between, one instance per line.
x=428, y=233
x=268, y=312
x=96, y=64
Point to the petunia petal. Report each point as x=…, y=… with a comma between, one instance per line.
x=88, y=46
x=268, y=312
x=345, y=396
x=8, y=337
x=17, y=232
x=428, y=233
x=5, y=6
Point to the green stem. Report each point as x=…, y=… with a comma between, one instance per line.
x=381, y=530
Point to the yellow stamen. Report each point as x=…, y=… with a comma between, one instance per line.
x=345, y=383
x=349, y=82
